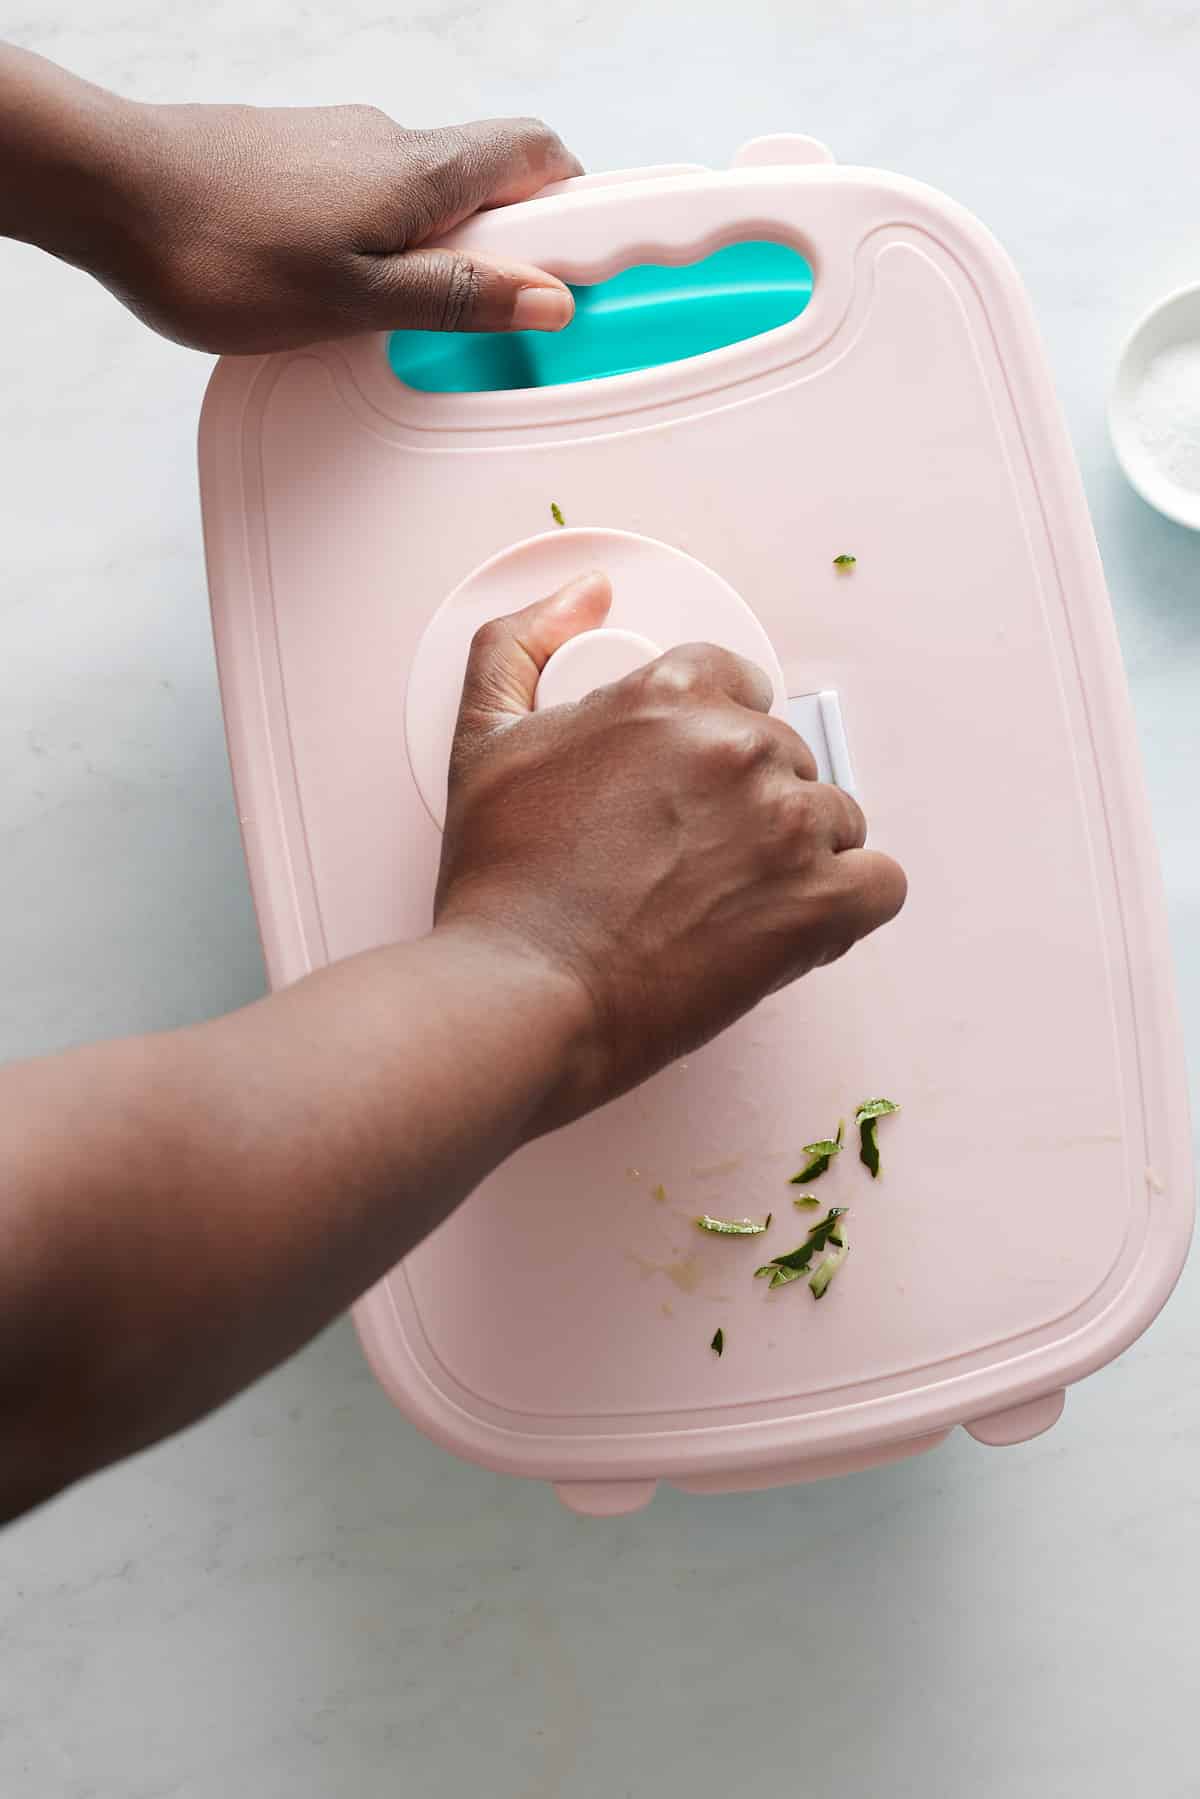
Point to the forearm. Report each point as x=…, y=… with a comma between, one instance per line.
x=182, y=1211
x=67, y=153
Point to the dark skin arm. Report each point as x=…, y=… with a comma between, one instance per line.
x=241, y=228
x=182, y=1211
x=179, y=1212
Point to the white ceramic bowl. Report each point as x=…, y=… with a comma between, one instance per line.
x=1174, y=321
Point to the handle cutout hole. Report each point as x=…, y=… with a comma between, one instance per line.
x=644, y=317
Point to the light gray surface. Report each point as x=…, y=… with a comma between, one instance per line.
x=302, y=1597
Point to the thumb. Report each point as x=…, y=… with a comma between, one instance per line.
x=508, y=655
x=449, y=290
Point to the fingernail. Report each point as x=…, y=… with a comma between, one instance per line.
x=542, y=309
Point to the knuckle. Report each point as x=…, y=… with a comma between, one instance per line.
x=367, y=114
x=800, y=823
x=439, y=170
x=856, y=821
x=709, y=668
x=727, y=745
x=742, y=749
x=445, y=155
x=529, y=125
x=537, y=140
x=794, y=830
x=676, y=675
x=773, y=829
x=527, y=136
x=489, y=636
x=662, y=681
x=801, y=752
x=460, y=294
x=708, y=659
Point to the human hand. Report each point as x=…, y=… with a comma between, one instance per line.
x=664, y=846
x=246, y=229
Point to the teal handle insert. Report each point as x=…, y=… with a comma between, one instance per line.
x=646, y=316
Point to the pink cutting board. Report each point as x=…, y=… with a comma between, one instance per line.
x=1036, y=1201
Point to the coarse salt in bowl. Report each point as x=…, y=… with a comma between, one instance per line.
x=1154, y=411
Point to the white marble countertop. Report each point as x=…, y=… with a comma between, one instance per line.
x=302, y=1597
